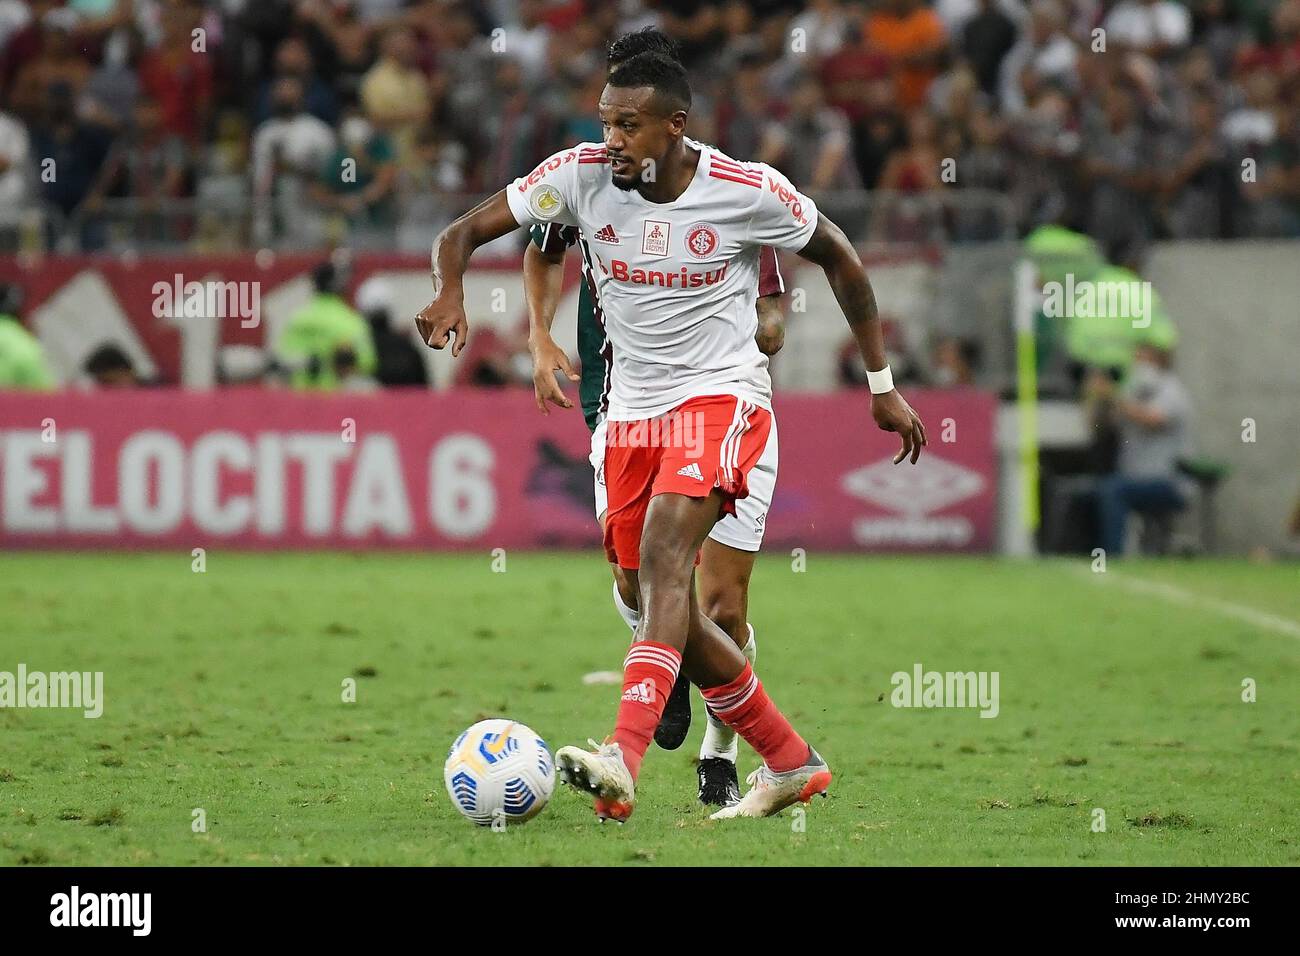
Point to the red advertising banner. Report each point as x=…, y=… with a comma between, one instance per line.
x=458, y=469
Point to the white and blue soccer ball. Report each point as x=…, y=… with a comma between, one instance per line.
x=499, y=770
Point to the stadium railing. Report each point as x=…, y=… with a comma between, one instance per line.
x=220, y=220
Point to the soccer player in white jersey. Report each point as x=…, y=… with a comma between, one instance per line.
x=727, y=557
x=690, y=402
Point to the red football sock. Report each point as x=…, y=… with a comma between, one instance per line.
x=649, y=672
x=744, y=706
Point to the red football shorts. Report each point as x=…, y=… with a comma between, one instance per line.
x=704, y=443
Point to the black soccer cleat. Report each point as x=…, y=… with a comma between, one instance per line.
x=718, y=784
x=675, y=723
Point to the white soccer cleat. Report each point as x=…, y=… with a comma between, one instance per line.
x=602, y=775
x=770, y=793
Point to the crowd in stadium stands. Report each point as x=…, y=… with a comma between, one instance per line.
x=1128, y=119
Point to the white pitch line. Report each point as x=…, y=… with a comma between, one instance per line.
x=1176, y=595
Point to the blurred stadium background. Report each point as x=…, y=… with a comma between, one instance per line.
x=295, y=159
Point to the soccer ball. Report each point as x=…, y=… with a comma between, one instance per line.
x=499, y=770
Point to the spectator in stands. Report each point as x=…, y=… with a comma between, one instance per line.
x=1152, y=412
x=15, y=15
x=399, y=361
x=22, y=360
x=430, y=180
x=744, y=113
x=16, y=177
x=358, y=181
x=1116, y=165
x=878, y=133
x=913, y=37
x=467, y=56
x=77, y=151
x=339, y=43
x=1153, y=27
x=152, y=161
x=114, y=87
x=530, y=41
x=289, y=151
x=910, y=173
x=1044, y=148
x=180, y=76
x=983, y=164
x=395, y=93
x=973, y=64
x=812, y=145
x=954, y=361
x=822, y=29
x=987, y=36
x=148, y=164
x=1044, y=56
x=514, y=137
x=318, y=337
x=1196, y=174
x=60, y=64
x=293, y=58
x=856, y=77
x=1273, y=200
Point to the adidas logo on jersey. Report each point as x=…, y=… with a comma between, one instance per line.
x=691, y=471
x=607, y=234
x=641, y=693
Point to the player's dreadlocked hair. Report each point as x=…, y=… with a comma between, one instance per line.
x=646, y=40
x=666, y=76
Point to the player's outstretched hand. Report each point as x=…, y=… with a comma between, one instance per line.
x=440, y=319
x=547, y=357
x=893, y=414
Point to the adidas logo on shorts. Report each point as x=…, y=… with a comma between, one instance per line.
x=691, y=471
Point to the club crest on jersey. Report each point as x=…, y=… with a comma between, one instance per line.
x=545, y=202
x=654, y=238
x=702, y=240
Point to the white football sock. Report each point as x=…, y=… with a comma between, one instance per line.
x=719, y=739
x=631, y=616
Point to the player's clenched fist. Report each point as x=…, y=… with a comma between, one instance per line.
x=893, y=414
x=441, y=319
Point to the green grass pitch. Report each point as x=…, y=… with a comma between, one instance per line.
x=224, y=693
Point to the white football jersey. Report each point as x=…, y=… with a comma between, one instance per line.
x=676, y=282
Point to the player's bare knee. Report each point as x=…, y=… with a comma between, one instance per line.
x=664, y=568
x=725, y=607
x=666, y=560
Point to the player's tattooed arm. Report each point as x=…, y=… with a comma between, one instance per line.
x=543, y=285
x=830, y=248
x=445, y=315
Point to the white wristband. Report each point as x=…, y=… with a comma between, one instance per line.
x=880, y=382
